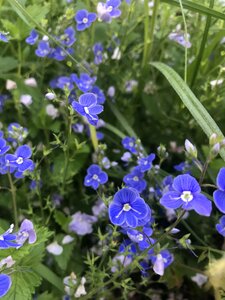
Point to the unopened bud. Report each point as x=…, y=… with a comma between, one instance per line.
x=213, y=139
x=215, y=149
x=190, y=148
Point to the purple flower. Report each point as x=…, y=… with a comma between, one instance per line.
x=78, y=128
x=8, y=240
x=62, y=82
x=59, y=54
x=98, y=49
x=32, y=38
x=95, y=176
x=21, y=159
x=135, y=180
x=25, y=232
x=3, y=37
x=129, y=143
x=107, y=11
x=221, y=226
x=161, y=261
x=145, y=163
x=43, y=49
x=180, y=39
x=84, y=19
x=82, y=223
x=3, y=147
x=187, y=194
x=99, y=93
x=88, y=107
x=68, y=38
x=142, y=238
x=5, y=284
x=84, y=83
x=127, y=208
x=183, y=167
x=219, y=195
x=16, y=133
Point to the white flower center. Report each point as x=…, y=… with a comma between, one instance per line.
x=95, y=177
x=85, y=20
x=126, y=207
x=110, y=8
x=1, y=238
x=135, y=178
x=186, y=196
x=140, y=237
x=19, y=160
x=131, y=144
x=86, y=110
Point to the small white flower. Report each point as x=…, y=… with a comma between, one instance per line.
x=8, y=261
x=81, y=289
x=67, y=239
x=199, y=279
x=54, y=248
x=45, y=38
x=26, y=100
x=216, y=82
x=158, y=266
x=52, y=111
x=50, y=96
x=31, y=82
x=111, y=91
x=116, y=54
x=10, y=85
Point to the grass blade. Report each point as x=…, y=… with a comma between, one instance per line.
x=200, y=114
x=197, y=8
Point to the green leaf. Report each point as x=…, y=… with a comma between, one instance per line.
x=48, y=275
x=197, y=8
x=7, y=64
x=200, y=114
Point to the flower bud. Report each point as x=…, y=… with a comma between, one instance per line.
x=215, y=150
x=213, y=139
x=190, y=148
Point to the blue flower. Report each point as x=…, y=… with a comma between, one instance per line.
x=142, y=238
x=62, y=82
x=82, y=223
x=8, y=240
x=5, y=284
x=88, y=107
x=127, y=208
x=107, y=11
x=180, y=39
x=3, y=37
x=219, y=195
x=16, y=133
x=145, y=163
x=99, y=93
x=5, y=166
x=21, y=159
x=221, y=226
x=32, y=38
x=129, y=143
x=68, y=38
x=43, y=49
x=59, y=54
x=161, y=261
x=98, y=49
x=25, y=232
x=84, y=19
x=95, y=176
x=187, y=194
x=135, y=180
x=84, y=83
x=3, y=147
x=183, y=167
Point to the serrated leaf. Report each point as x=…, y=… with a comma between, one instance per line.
x=198, y=111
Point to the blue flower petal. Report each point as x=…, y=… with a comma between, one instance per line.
x=80, y=15
x=92, y=17
x=115, y=215
x=88, y=99
x=78, y=108
x=202, y=205
x=186, y=183
x=125, y=195
x=219, y=200
x=95, y=110
x=171, y=200
x=23, y=151
x=221, y=179
x=5, y=284
x=94, y=169
x=131, y=220
x=139, y=208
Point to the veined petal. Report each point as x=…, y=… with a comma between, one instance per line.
x=139, y=208
x=25, y=165
x=5, y=284
x=219, y=200
x=78, y=108
x=202, y=205
x=23, y=151
x=116, y=214
x=80, y=15
x=125, y=196
x=92, y=17
x=171, y=200
x=95, y=110
x=220, y=180
x=186, y=183
x=131, y=220
x=88, y=99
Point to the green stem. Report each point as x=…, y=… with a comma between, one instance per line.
x=202, y=47
x=13, y=193
x=186, y=39
x=204, y=171
x=193, y=233
x=93, y=137
x=149, y=32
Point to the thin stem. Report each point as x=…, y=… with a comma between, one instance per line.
x=202, y=46
x=206, y=164
x=13, y=192
x=193, y=233
x=186, y=40
x=93, y=137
